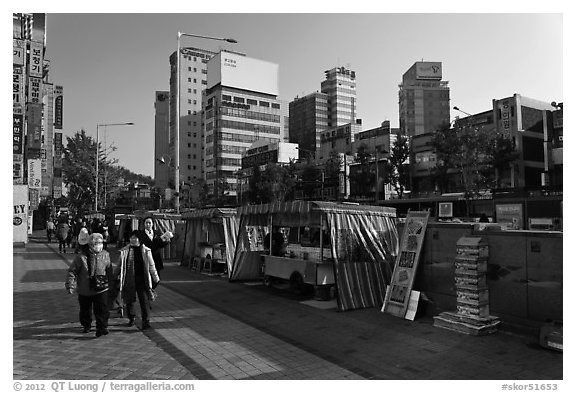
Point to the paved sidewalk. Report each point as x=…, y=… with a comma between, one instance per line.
x=207, y=328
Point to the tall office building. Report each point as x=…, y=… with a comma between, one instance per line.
x=162, y=170
x=308, y=120
x=240, y=107
x=340, y=87
x=424, y=99
x=193, y=80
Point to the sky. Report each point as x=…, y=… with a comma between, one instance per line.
x=111, y=63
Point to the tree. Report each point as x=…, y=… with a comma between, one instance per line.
x=363, y=177
x=310, y=177
x=278, y=183
x=78, y=170
x=502, y=152
x=398, y=168
x=465, y=148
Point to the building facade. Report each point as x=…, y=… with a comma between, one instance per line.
x=37, y=112
x=308, y=120
x=240, y=108
x=193, y=81
x=163, y=165
x=424, y=99
x=340, y=87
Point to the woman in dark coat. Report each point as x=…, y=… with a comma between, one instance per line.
x=155, y=242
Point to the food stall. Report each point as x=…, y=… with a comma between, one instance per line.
x=210, y=239
x=352, y=247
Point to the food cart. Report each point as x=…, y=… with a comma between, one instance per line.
x=348, y=246
x=210, y=239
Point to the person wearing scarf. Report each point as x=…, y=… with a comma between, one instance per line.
x=138, y=279
x=94, y=261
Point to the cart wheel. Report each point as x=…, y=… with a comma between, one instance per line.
x=297, y=283
x=268, y=281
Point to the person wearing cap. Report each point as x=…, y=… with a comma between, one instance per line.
x=155, y=242
x=138, y=278
x=89, y=275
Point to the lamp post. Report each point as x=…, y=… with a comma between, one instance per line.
x=460, y=110
x=177, y=122
x=98, y=154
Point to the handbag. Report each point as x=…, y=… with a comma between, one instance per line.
x=98, y=282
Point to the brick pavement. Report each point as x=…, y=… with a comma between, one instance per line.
x=188, y=340
x=207, y=328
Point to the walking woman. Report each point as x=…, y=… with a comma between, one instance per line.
x=138, y=278
x=89, y=275
x=155, y=242
x=62, y=234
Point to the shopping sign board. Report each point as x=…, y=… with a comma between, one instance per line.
x=35, y=174
x=20, y=213
x=399, y=291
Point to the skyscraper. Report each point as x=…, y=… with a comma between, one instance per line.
x=240, y=107
x=193, y=80
x=163, y=162
x=340, y=86
x=424, y=99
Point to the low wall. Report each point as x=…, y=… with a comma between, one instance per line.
x=525, y=271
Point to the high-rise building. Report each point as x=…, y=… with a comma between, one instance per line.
x=240, y=107
x=424, y=99
x=163, y=162
x=340, y=87
x=308, y=120
x=193, y=80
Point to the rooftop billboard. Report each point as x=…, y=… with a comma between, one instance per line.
x=429, y=70
x=241, y=72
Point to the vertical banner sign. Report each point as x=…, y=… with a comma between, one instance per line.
x=19, y=53
x=18, y=89
x=18, y=133
x=399, y=291
x=505, y=115
x=34, y=174
x=20, y=213
x=34, y=198
x=35, y=126
x=34, y=90
x=36, y=59
x=18, y=168
x=58, y=107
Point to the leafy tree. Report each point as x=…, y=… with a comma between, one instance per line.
x=78, y=170
x=255, y=191
x=398, y=173
x=502, y=151
x=278, y=183
x=465, y=148
x=363, y=177
x=310, y=178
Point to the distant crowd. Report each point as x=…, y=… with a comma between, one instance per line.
x=70, y=233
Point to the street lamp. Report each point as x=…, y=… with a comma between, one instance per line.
x=460, y=110
x=177, y=123
x=98, y=154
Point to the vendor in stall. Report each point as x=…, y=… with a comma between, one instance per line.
x=278, y=243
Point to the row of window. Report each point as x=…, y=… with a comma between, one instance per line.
x=249, y=101
x=226, y=136
x=194, y=80
x=238, y=125
x=249, y=114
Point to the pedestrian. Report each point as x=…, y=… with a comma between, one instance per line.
x=155, y=242
x=49, y=229
x=105, y=234
x=483, y=218
x=70, y=234
x=82, y=240
x=90, y=275
x=138, y=278
x=62, y=234
x=82, y=229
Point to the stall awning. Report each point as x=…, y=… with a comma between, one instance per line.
x=141, y=214
x=209, y=213
x=307, y=207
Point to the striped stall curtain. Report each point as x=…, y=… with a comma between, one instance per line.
x=364, y=248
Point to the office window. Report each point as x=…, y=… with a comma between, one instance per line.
x=226, y=98
x=195, y=133
x=194, y=156
x=204, y=82
x=189, y=112
x=252, y=102
x=189, y=68
x=189, y=79
x=265, y=104
x=194, y=80
x=194, y=167
x=195, y=69
x=189, y=90
x=189, y=156
x=195, y=102
x=189, y=101
x=276, y=106
x=189, y=178
x=189, y=167
x=194, y=58
x=195, y=91
x=239, y=100
x=189, y=145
